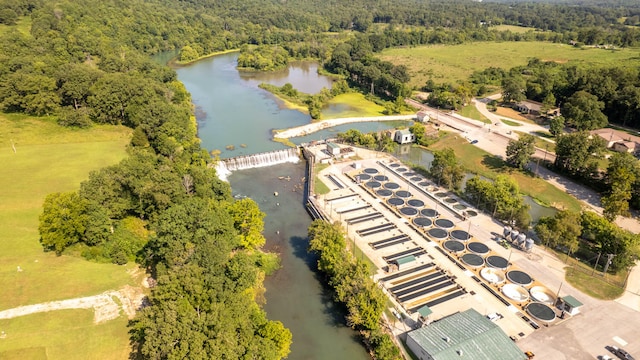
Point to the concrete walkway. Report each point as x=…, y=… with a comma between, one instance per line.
x=324, y=124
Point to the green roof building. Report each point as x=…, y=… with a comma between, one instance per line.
x=463, y=336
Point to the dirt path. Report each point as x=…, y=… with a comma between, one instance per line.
x=106, y=306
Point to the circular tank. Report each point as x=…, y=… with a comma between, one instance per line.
x=430, y=213
x=401, y=169
x=363, y=177
x=410, y=174
x=437, y=234
x=423, y=222
x=391, y=186
x=460, y=235
x=373, y=184
x=403, y=194
x=519, y=277
x=424, y=183
x=444, y=223
x=514, y=235
x=416, y=203
x=417, y=178
x=394, y=165
x=472, y=260
x=541, y=312
x=506, y=231
x=471, y=213
x=384, y=192
x=381, y=178
x=521, y=238
x=453, y=246
x=450, y=200
x=493, y=276
x=497, y=262
x=459, y=207
x=478, y=248
x=528, y=244
x=409, y=211
x=370, y=171
x=515, y=292
x=395, y=201
x=542, y=294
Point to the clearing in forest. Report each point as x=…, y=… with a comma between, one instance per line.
x=453, y=63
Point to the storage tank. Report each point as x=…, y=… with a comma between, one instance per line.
x=506, y=231
x=514, y=234
x=529, y=244
x=521, y=239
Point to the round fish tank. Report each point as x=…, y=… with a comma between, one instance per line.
x=444, y=224
x=423, y=222
x=478, y=248
x=453, y=246
x=384, y=192
x=430, y=213
x=515, y=292
x=409, y=211
x=471, y=213
x=519, y=277
x=416, y=203
x=424, y=183
x=395, y=201
x=394, y=165
x=473, y=260
x=401, y=169
x=542, y=294
x=437, y=233
x=371, y=171
x=493, y=276
x=460, y=235
x=497, y=262
x=541, y=311
x=373, y=184
x=391, y=186
x=416, y=178
x=363, y=177
x=403, y=194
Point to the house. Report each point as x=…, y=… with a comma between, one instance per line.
x=535, y=108
x=464, y=335
x=422, y=116
x=404, y=137
x=333, y=149
x=618, y=140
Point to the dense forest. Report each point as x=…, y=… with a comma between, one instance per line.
x=87, y=62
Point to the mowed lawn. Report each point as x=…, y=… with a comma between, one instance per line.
x=480, y=162
x=351, y=105
x=453, y=63
x=49, y=158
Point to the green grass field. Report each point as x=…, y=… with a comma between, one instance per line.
x=351, y=105
x=453, y=63
x=512, y=28
x=478, y=161
x=472, y=112
x=23, y=25
x=50, y=158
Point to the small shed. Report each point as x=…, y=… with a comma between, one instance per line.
x=425, y=311
x=625, y=146
x=570, y=305
x=333, y=149
x=405, y=262
x=422, y=116
x=404, y=137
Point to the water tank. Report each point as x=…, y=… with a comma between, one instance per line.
x=506, y=231
x=521, y=239
x=529, y=244
x=514, y=234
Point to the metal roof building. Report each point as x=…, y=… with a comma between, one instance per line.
x=463, y=336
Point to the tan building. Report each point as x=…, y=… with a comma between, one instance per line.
x=618, y=140
x=535, y=108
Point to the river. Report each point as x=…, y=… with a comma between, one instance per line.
x=232, y=110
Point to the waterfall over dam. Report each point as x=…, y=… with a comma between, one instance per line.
x=224, y=167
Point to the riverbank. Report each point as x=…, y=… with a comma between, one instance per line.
x=174, y=62
x=324, y=124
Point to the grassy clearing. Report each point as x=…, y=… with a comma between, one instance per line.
x=541, y=143
x=23, y=25
x=351, y=105
x=49, y=159
x=319, y=187
x=580, y=276
x=453, y=63
x=184, y=63
x=512, y=114
x=512, y=28
x=510, y=123
x=64, y=334
x=480, y=162
x=472, y=112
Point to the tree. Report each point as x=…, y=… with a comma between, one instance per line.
x=622, y=174
x=62, y=222
x=187, y=54
x=513, y=88
x=519, y=151
x=562, y=229
x=577, y=153
x=446, y=170
x=584, y=111
x=248, y=221
x=501, y=197
x=556, y=125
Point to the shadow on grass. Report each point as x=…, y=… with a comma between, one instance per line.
x=495, y=163
x=543, y=134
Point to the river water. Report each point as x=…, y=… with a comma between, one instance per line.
x=232, y=110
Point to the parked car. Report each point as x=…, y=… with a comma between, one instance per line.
x=474, y=142
x=620, y=353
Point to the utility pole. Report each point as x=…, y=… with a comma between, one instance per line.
x=596, y=265
x=606, y=266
